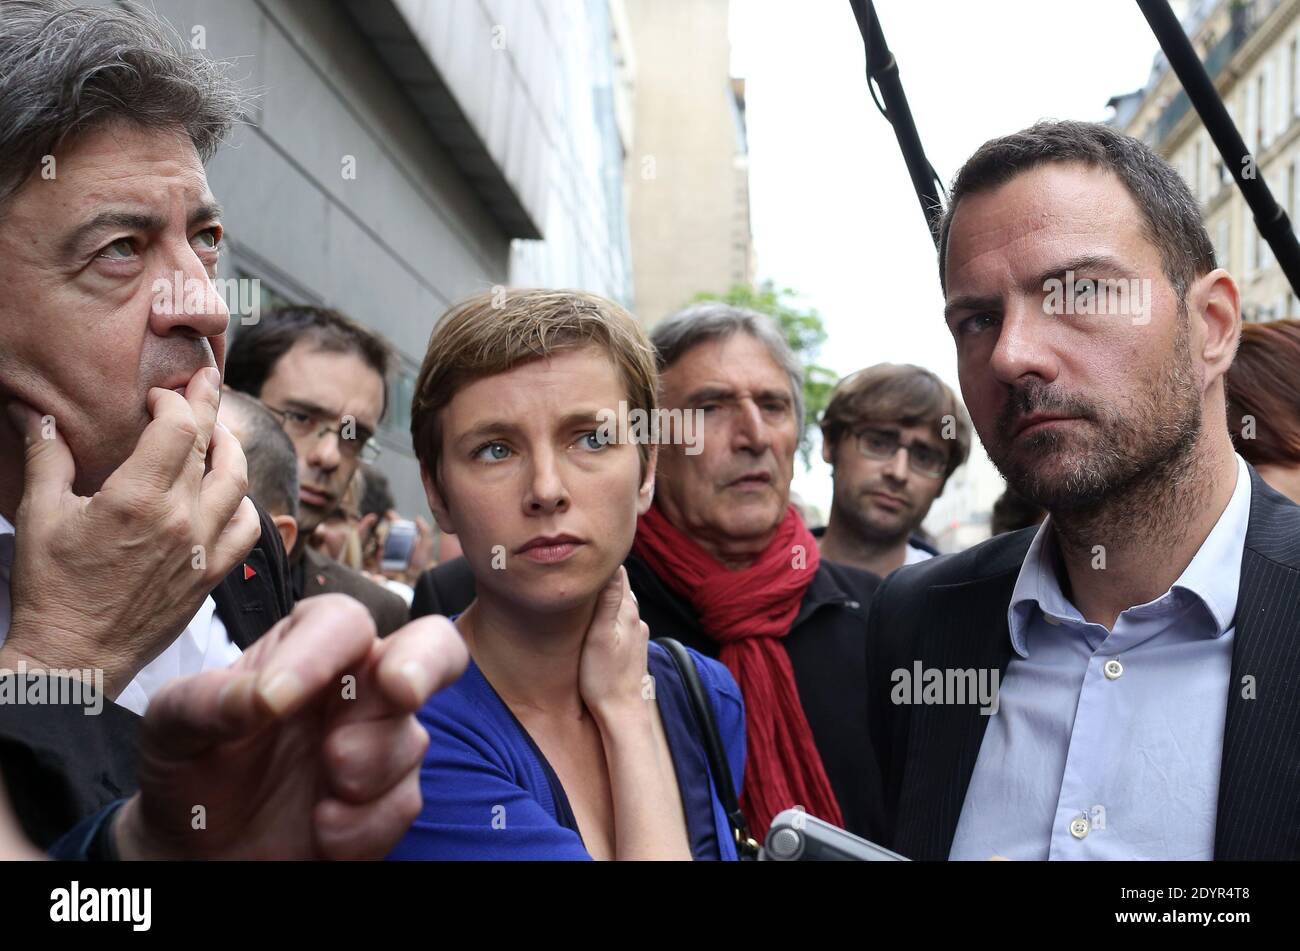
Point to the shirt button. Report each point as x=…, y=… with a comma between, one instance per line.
x=1113, y=669
x=1079, y=827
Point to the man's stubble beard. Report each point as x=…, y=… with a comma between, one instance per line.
x=310, y=517
x=1127, y=477
x=860, y=525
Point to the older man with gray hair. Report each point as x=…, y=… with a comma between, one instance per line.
x=724, y=563
x=130, y=555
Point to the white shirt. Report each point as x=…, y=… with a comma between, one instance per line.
x=915, y=555
x=1107, y=743
x=203, y=645
x=403, y=591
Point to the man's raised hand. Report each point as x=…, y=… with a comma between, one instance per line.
x=110, y=581
x=306, y=748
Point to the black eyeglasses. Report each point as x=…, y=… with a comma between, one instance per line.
x=883, y=444
x=355, y=442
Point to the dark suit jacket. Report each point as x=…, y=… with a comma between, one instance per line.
x=952, y=613
x=445, y=589
x=321, y=574
x=825, y=645
x=60, y=765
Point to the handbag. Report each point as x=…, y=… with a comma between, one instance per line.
x=747, y=849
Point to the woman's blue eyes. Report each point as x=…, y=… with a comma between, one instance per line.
x=496, y=451
x=492, y=452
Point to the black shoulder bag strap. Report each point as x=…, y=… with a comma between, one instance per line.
x=746, y=847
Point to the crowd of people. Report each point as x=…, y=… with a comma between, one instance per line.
x=194, y=535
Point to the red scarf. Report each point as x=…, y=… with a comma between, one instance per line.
x=748, y=612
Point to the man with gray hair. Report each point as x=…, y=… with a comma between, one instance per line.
x=129, y=554
x=723, y=563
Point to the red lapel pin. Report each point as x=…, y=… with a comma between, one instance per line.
x=249, y=572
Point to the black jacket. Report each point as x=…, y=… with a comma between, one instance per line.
x=951, y=612
x=915, y=540
x=60, y=765
x=445, y=589
x=826, y=647
x=316, y=573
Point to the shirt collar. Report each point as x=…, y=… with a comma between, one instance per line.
x=1213, y=576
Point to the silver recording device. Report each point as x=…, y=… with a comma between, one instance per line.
x=795, y=836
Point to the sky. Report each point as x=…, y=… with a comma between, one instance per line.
x=833, y=212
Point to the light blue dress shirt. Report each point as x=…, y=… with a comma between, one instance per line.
x=1107, y=744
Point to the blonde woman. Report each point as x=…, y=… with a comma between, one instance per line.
x=570, y=735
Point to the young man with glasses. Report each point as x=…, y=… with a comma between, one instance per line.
x=892, y=434
x=323, y=377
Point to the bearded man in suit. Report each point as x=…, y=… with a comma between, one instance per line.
x=1141, y=644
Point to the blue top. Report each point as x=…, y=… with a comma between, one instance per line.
x=1107, y=744
x=489, y=793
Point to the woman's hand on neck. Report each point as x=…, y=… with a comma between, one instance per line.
x=530, y=659
x=613, y=673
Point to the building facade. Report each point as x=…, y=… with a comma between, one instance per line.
x=402, y=154
x=1250, y=50
x=688, y=173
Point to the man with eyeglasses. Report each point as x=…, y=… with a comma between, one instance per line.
x=322, y=376
x=892, y=434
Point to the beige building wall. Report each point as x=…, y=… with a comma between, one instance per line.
x=687, y=171
x=1256, y=67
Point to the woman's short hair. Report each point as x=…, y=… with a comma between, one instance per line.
x=898, y=393
x=1264, y=394
x=492, y=333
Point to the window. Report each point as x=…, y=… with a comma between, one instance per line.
x=1261, y=110
x=1224, y=237
x=401, y=388
x=257, y=296
x=1290, y=81
x=1290, y=190
x=1198, y=166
